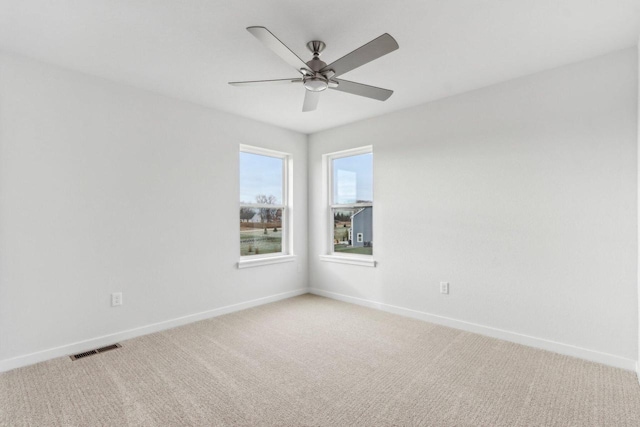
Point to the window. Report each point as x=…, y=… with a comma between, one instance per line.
x=264, y=204
x=350, y=176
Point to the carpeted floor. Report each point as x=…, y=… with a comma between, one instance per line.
x=312, y=361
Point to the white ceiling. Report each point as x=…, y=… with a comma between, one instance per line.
x=190, y=49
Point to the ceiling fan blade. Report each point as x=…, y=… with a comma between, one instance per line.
x=260, y=82
x=310, y=100
x=364, y=54
x=279, y=48
x=362, y=90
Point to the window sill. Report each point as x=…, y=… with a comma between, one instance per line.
x=257, y=262
x=364, y=262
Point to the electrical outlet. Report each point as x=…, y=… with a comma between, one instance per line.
x=444, y=287
x=116, y=299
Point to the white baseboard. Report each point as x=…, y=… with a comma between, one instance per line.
x=80, y=346
x=638, y=371
x=566, y=349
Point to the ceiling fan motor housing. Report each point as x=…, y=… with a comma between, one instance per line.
x=316, y=81
x=316, y=64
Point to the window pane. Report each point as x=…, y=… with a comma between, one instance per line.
x=353, y=230
x=353, y=179
x=260, y=179
x=260, y=231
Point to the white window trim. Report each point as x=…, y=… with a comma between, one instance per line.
x=257, y=261
x=352, y=259
x=327, y=196
x=287, y=211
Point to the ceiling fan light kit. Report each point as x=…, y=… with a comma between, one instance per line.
x=317, y=76
x=315, y=84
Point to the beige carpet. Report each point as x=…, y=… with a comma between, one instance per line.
x=313, y=361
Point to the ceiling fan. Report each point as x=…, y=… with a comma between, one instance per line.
x=317, y=75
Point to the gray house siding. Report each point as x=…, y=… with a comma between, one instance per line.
x=362, y=227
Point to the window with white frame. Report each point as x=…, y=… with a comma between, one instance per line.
x=264, y=203
x=350, y=175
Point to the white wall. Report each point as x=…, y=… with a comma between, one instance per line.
x=106, y=188
x=522, y=195
x=638, y=363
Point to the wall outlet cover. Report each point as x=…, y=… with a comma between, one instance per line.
x=116, y=299
x=444, y=287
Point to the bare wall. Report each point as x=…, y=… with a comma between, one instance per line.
x=103, y=188
x=638, y=281
x=522, y=195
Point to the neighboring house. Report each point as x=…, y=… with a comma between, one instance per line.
x=361, y=233
x=256, y=218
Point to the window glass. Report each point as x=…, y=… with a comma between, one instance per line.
x=352, y=203
x=353, y=179
x=353, y=230
x=260, y=178
x=263, y=207
x=260, y=231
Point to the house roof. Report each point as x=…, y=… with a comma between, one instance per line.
x=361, y=210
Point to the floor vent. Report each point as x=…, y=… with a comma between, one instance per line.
x=96, y=351
x=107, y=348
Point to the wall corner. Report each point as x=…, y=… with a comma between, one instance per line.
x=638, y=192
